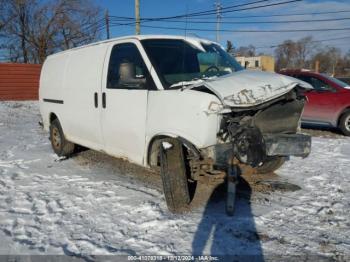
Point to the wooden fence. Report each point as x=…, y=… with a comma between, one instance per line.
x=19, y=81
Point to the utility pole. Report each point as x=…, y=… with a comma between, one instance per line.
x=107, y=23
x=317, y=66
x=218, y=19
x=137, y=16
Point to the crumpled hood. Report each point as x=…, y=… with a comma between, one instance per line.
x=249, y=88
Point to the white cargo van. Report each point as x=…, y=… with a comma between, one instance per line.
x=179, y=103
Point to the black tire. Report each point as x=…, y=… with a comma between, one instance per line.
x=60, y=145
x=270, y=165
x=344, y=123
x=174, y=176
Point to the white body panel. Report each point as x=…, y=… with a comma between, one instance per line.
x=173, y=113
x=51, y=86
x=81, y=121
x=123, y=120
x=124, y=123
x=74, y=77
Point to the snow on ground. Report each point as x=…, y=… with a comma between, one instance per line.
x=87, y=205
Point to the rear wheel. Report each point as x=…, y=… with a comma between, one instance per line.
x=344, y=123
x=174, y=175
x=60, y=145
x=271, y=164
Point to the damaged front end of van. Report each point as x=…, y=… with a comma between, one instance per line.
x=259, y=119
x=223, y=115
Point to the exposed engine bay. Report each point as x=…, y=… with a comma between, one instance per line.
x=254, y=134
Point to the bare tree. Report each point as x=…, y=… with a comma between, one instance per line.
x=36, y=28
x=304, y=49
x=330, y=59
x=15, y=18
x=3, y=18
x=284, y=54
x=295, y=54
x=245, y=51
x=229, y=47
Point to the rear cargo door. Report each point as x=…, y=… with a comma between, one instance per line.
x=124, y=101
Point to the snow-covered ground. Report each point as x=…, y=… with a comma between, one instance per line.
x=92, y=204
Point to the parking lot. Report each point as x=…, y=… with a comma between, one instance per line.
x=96, y=204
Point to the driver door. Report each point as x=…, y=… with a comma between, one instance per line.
x=124, y=102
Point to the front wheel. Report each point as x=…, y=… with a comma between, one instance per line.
x=60, y=145
x=344, y=123
x=271, y=164
x=174, y=175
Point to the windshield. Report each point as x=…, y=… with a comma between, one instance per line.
x=180, y=62
x=337, y=81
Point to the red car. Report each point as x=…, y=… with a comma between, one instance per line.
x=329, y=101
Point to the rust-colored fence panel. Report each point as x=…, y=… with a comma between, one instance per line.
x=19, y=81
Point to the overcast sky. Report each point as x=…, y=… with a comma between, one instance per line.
x=157, y=8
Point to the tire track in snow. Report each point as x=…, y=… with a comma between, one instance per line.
x=65, y=207
x=61, y=203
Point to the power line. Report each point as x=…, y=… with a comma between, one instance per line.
x=314, y=41
x=228, y=7
x=274, y=46
x=230, y=10
x=124, y=18
x=208, y=11
x=226, y=10
x=277, y=15
x=256, y=7
x=100, y=25
x=248, y=30
x=188, y=15
x=88, y=26
x=290, y=14
x=250, y=22
x=214, y=11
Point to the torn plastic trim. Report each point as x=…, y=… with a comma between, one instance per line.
x=217, y=108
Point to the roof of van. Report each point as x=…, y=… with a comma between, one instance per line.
x=138, y=37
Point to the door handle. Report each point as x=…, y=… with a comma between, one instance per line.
x=104, y=100
x=96, y=100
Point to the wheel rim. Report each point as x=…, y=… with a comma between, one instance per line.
x=347, y=123
x=56, y=138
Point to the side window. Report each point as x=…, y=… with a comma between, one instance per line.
x=127, y=70
x=318, y=84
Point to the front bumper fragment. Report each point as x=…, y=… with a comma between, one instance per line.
x=287, y=145
x=275, y=145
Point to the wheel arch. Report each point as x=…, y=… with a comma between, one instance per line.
x=342, y=112
x=152, y=147
x=52, y=117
